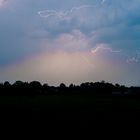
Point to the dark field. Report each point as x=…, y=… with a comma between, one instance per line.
x=77, y=105
x=80, y=108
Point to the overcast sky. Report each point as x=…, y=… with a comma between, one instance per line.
x=70, y=41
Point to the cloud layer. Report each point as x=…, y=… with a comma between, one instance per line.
x=109, y=29
x=74, y=67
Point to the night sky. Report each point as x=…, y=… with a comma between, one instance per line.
x=70, y=41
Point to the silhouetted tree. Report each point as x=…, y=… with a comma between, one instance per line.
x=100, y=89
x=7, y=84
x=18, y=83
x=35, y=84
x=62, y=85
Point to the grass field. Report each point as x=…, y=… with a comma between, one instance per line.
x=84, y=108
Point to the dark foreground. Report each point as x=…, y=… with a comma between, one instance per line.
x=79, y=108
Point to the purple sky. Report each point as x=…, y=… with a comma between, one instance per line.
x=70, y=41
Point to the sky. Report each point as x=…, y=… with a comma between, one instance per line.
x=70, y=41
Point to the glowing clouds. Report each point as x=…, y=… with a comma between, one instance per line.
x=80, y=40
x=66, y=67
x=51, y=67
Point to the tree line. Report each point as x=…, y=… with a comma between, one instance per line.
x=101, y=89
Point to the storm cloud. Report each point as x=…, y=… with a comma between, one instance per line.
x=107, y=28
